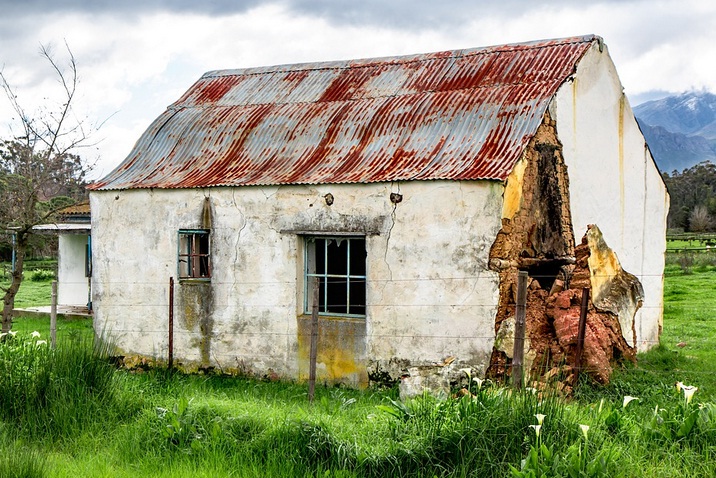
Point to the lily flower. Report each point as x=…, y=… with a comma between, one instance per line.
x=479, y=382
x=468, y=372
x=13, y=333
x=689, y=391
x=585, y=429
x=540, y=418
x=537, y=429
x=41, y=342
x=35, y=334
x=679, y=386
x=628, y=399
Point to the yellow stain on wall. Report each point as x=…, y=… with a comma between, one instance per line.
x=622, y=197
x=603, y=262
x=340, y=351
x=513, y=190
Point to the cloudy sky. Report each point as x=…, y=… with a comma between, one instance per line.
x=137, y=57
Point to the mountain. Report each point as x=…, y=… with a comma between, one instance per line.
x=680, y=129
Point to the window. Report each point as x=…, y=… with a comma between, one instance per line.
x=194, y=256
x=338, y=263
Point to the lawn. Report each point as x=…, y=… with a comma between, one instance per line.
x=75, y=415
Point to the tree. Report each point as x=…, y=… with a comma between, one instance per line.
x=40, y=173
x=700, y=221
x=688, y=190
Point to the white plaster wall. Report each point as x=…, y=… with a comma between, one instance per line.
x=429, y=292
x=614, y=182
x=72, y=285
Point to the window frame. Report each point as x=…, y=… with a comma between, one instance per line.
x=192, y=257
x=309, y=242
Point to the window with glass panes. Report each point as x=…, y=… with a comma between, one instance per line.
x=194, y=256
x=338, y=264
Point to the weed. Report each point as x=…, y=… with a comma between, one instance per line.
x=42, y=275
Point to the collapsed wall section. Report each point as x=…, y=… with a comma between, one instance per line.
x=537, y=236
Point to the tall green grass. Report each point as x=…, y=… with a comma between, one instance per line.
x=55, y=394
x=68, y=413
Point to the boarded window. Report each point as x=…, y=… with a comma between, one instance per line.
x=194, y=256
x=338, y=264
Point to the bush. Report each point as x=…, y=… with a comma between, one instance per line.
x=42, y=275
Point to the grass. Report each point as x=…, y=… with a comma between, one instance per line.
x=68, y=414
x=38, y=293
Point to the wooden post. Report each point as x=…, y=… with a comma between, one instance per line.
x=581, y=333
x=171, y=323
x=520, y=312
x=53, y=316
x=314, y=341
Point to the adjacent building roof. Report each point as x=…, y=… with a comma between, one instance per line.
x=462, y=114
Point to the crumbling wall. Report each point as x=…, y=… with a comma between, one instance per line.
x=537, y=237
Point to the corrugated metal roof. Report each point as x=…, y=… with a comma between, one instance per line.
x=463, y=114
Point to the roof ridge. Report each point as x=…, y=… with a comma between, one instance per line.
x=397, y=60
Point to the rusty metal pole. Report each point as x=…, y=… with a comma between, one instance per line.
x=314, y=341
x=171, y=323
x=519, y=347
x=53, y=315
x=581, y=332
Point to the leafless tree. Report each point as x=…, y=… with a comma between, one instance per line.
x=40, y=172
x=700, y=221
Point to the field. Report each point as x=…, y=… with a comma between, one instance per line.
x=72, y=414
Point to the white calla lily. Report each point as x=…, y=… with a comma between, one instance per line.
x=627, y=400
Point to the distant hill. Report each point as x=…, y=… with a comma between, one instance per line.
x=680, y=130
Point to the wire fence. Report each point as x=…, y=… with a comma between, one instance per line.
x=145, y=295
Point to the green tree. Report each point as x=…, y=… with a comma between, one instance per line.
x=40, y=173
x=689, y=189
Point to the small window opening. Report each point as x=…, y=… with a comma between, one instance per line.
x=545, y=273
x=194, y=254
x=338, y=264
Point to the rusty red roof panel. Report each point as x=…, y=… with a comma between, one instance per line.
x=463, y=114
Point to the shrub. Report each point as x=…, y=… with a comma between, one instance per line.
x=42, y=275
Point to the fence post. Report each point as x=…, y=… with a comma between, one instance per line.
x=519, y=347
x=53, y=315
x=314, y=341
x=581, y=333
x=170, y=360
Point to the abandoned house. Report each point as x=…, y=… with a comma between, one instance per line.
x=412, y=190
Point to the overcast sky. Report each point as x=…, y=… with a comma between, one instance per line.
x=137, y=57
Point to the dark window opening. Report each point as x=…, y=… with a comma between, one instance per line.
x=194, y=254
x=545, y=273
x=338, y=264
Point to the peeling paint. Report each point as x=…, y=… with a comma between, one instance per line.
x=613, y=289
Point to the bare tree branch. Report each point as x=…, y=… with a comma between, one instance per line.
x=39, y=173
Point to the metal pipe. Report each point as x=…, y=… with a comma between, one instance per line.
x=171, y=323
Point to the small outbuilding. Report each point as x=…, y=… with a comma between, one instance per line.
x=411, y=190
x=74, y=257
